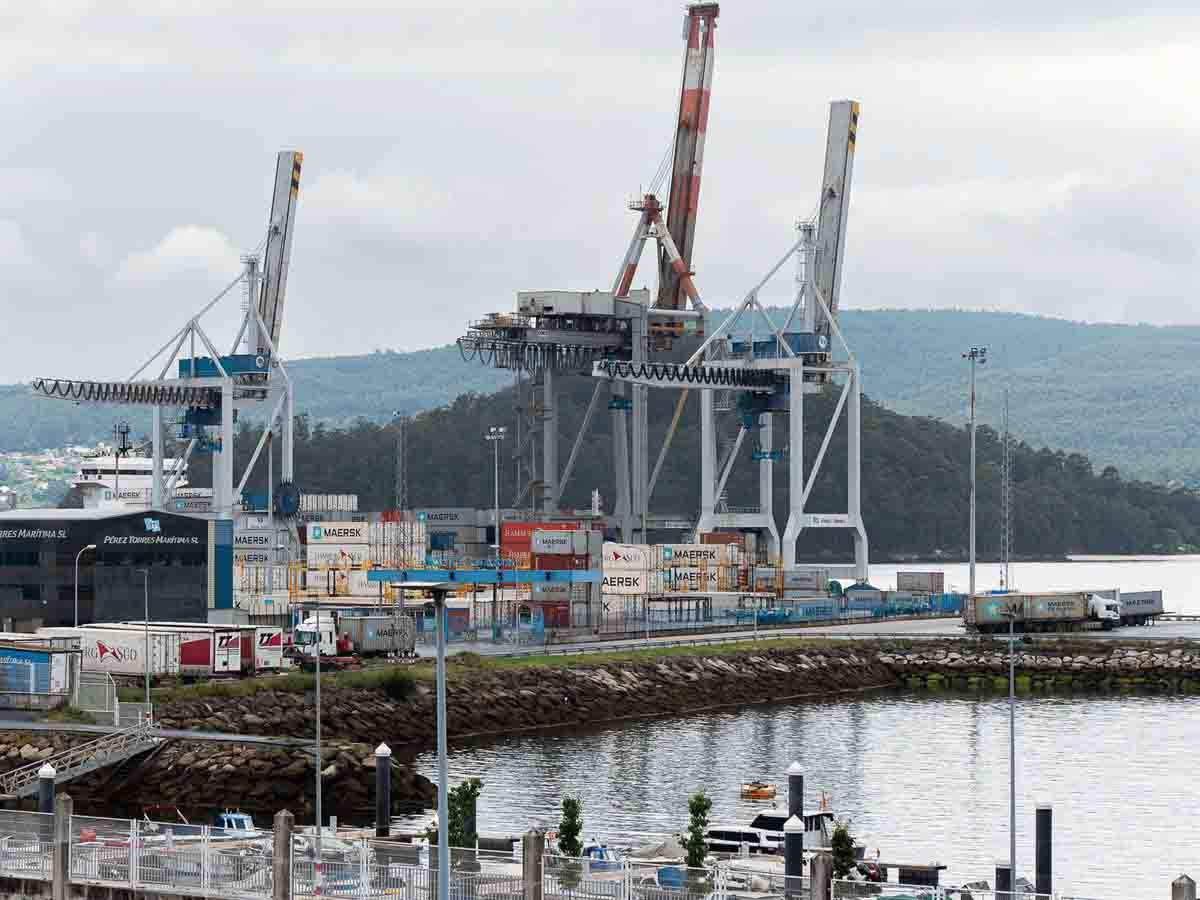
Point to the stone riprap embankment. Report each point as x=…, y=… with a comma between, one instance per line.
x=1088, y=666
x=499, y=700
x=200, y=777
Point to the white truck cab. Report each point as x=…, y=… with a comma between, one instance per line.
x=316, y=631
x=1105, y=610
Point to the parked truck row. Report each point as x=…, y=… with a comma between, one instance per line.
x=187, y=650
x=1061, y=610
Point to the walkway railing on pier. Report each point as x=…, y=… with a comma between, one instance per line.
x=859, y=890
x=141, y=856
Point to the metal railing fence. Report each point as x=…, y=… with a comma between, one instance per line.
x=201, y=861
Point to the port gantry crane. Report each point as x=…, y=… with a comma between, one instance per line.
x=211, y=389
x=624, y=339
x=565, y=332
x=773, y=375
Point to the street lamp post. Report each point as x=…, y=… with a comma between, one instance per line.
x=1012, y=746
x=318, y=868
x=495, y=434
x=82, y=551
x=977, y=356
x=145, y=573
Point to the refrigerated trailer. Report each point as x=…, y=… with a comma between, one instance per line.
x=202, y=651
x=123, y=651
x=261, y=646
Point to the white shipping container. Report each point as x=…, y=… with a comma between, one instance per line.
x=626, y=557
x=694, y=555
x=123, y=652
x=451, y=517
x=921, y=582
x=559, y=542
x=630, y=582
x=337, y=532
x=692, y=579
x=337, y=555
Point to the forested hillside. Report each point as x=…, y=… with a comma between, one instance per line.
x=1125, y=395
x=915, y=490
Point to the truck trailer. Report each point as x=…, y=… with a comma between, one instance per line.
x=1049, y=611
x=261, y=646
x=355, y=636
x=122, y=652
x=1140, y=607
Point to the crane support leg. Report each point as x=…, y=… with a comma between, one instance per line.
x=620, y=436
x=854, y=477
x=549, y=443
x=766, y=479
x=708, y=463
x=795, y=522
x=156, y=443
x=579, y=438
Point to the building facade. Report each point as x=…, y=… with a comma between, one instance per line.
x=187, y=563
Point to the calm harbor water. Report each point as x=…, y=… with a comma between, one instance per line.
x=921, y=778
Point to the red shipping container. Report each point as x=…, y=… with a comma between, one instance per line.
x=558, y=562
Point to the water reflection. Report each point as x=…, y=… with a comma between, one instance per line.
x=922, y=778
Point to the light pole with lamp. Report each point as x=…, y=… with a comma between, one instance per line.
x=495, y=434
x=1011, y=612
x=82, y=551
x=977, y=356
x=145, y=573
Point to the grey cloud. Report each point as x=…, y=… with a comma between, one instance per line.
x=1010, y=156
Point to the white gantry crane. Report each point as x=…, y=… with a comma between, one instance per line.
x=210, y=388
x=772, y=375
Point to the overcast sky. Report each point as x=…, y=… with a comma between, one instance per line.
x=1022, y=155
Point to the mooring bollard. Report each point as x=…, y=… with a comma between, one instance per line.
x=383, y=790
x=46, y=788
x=1183, y=888
x=820, y=876
x=795, y=777
x=281, y=859
x=1043, y=878
x=60, y=872
x=1004, y=881
x=793, y=854
x=533, y=853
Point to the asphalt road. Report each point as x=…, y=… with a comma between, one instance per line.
x=894, y=628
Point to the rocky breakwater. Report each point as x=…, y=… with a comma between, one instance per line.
x=1097, y=665
x=502, y=699
x=201, y=778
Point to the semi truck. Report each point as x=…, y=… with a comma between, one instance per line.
x=354, y=637
x=1049, y=611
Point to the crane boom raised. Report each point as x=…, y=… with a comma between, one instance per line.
x=699, y=31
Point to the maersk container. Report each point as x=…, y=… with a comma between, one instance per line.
x=379, y=634
x=1139, y=607
x=921, y=582
x=1033, y=612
